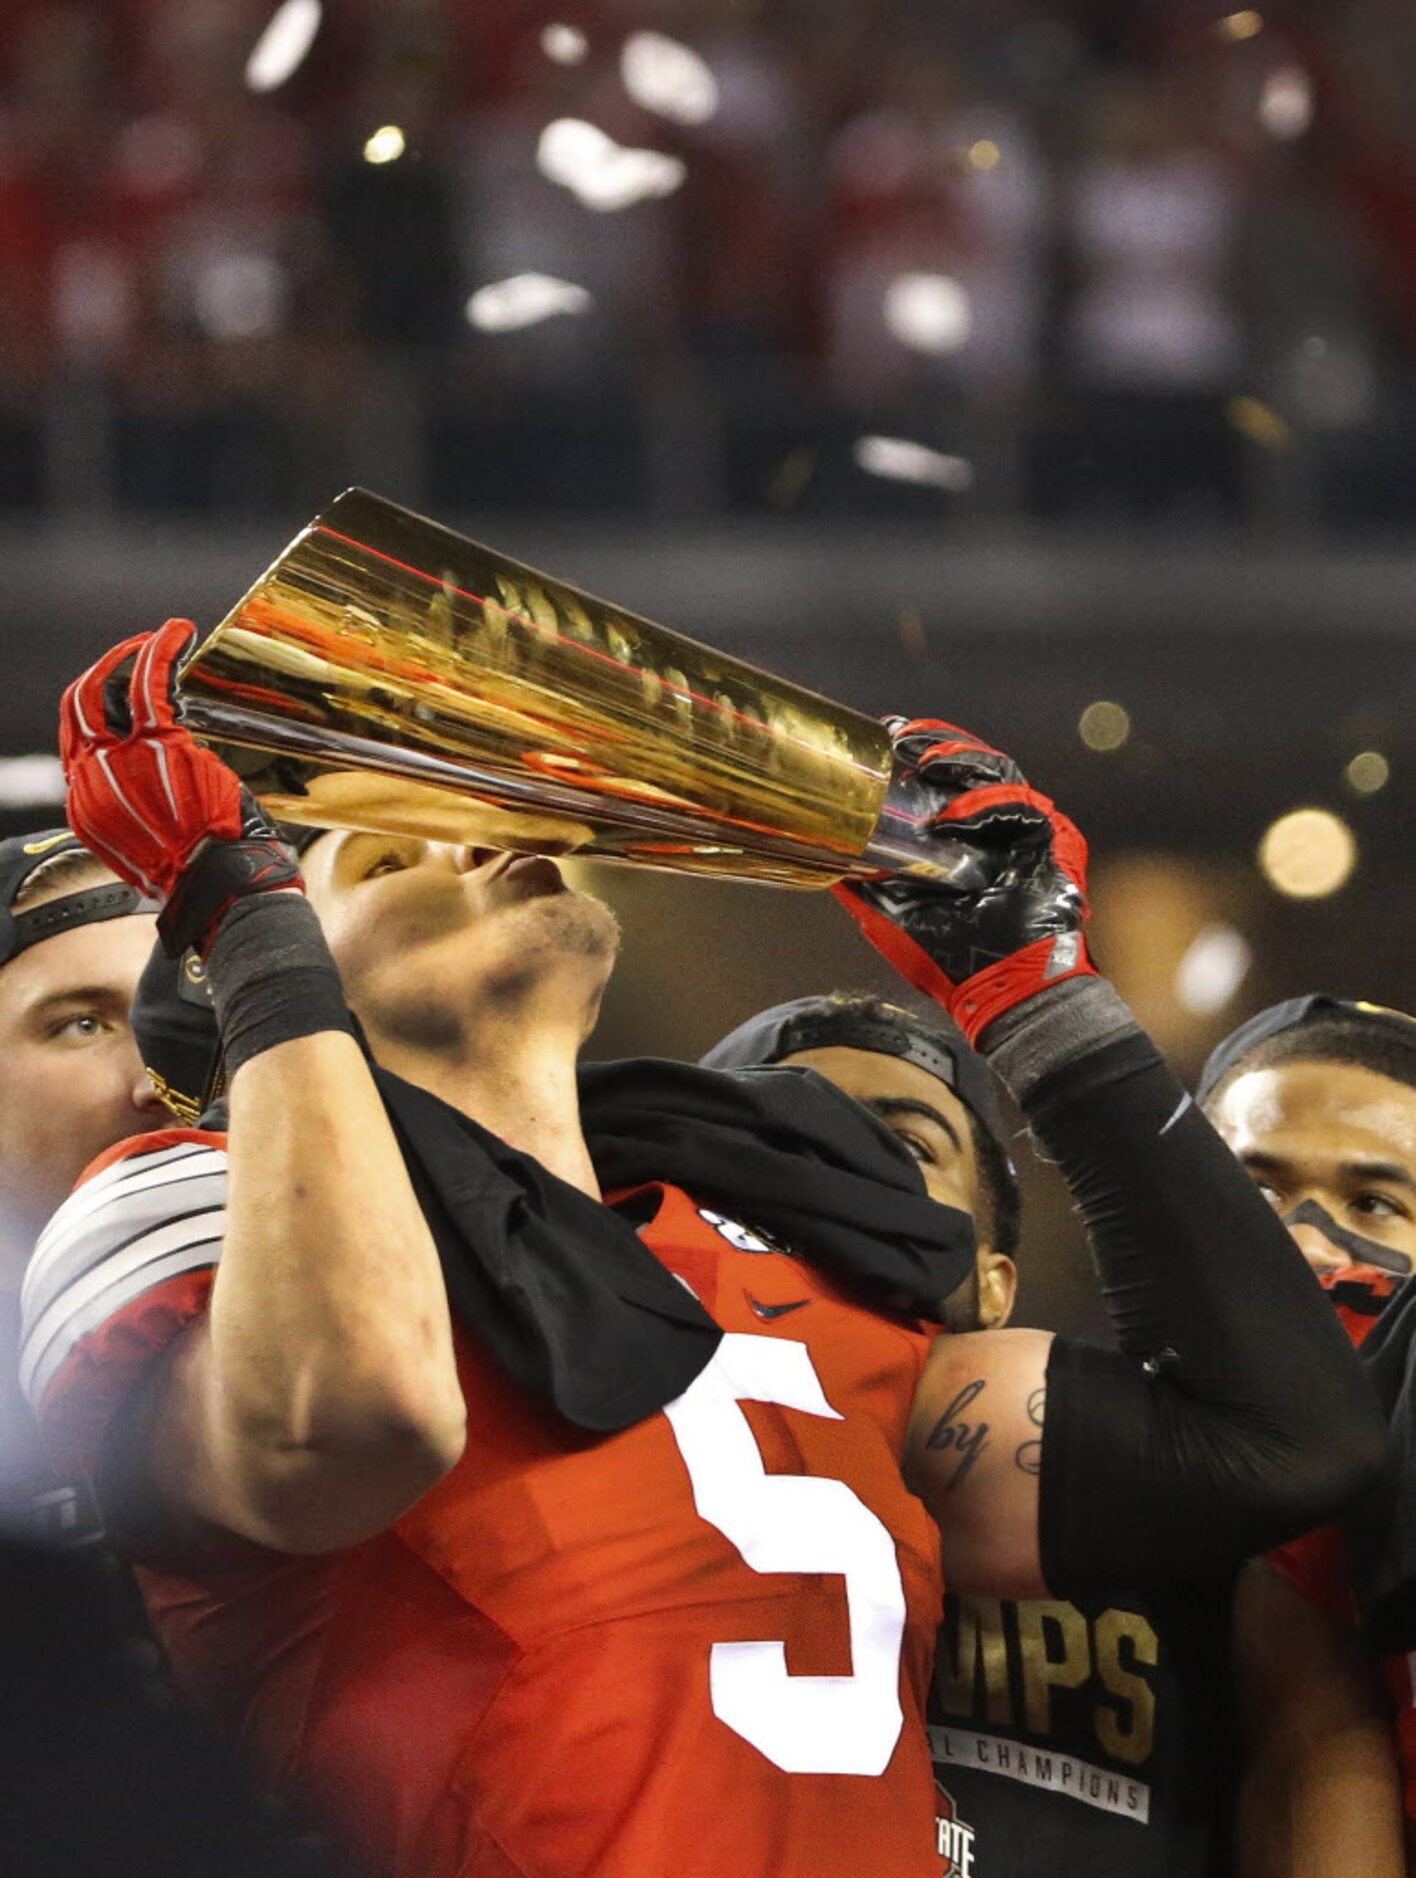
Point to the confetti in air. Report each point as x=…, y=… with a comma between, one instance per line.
x=505, y=306
x=1259, y=422
x=668, y=78
x=928, y=312
x=601, y=173
x=900, y=460
x=282, y=47
x=564, y=45
x=1286, y=103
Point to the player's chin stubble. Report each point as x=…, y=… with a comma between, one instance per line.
x=577, y=925
x=538, y=934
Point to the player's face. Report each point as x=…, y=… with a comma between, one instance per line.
x=1334, y=1149
x=934, y=1127
x=71, y=1080
x=423, y=927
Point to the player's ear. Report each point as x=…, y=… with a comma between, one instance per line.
x=997, y=1288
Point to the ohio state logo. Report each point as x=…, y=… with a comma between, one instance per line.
x=953, y=1837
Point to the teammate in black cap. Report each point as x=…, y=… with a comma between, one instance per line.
x=101, y=1771
x=1068, y=1736
x=920, y=1078
x=73, y=940
x=1317, y=1098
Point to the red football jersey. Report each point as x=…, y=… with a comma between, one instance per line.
x=698, y=1646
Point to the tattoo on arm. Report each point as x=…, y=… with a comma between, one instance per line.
x=956, y=1434
x=1028, y=1459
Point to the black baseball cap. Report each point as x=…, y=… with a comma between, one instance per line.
x=1296, y=1014
x=20, y=856
x=824, y=1023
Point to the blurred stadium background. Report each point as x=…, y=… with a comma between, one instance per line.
x=1047, y=366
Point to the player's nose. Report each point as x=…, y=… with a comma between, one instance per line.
x=1322, y=1255
x=141, y=1093
x=467, y=859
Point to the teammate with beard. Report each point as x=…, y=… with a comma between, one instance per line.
x=1317, y=1098
x=409, y=1426
x=1067, y=1736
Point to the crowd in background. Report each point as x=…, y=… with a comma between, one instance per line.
x=1177, y=248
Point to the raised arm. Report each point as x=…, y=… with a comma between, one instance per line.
x=317, y=1398
x=1234, y=1413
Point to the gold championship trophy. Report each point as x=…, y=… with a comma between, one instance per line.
x=387, y=674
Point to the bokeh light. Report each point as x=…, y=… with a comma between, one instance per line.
x=31, y=782
x=1214, y=966
x=386, y=145
x=1308, y=854
x=1104, y=725
x=1368, y=772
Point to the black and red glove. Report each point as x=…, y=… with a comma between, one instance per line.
x=166, y=815
x=1011, y=922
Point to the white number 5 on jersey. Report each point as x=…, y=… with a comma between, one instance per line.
x=793, y=1523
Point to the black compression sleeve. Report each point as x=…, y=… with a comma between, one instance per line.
x=1235, y=1414
x=272, y=977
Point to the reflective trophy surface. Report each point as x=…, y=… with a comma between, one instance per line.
x=388, y=674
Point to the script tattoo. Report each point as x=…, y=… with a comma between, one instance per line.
x=965, y=1438
x=1028, y=1459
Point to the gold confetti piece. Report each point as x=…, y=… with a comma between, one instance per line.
x=1259, y=422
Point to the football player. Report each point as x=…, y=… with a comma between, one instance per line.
x=1317, y=1098
x=1067, y=1736
x=102, y=1771
x=531, y=1534
x=935, y=1095
x=73, y=940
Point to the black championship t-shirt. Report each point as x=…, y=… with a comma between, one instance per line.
x=1084, y=1738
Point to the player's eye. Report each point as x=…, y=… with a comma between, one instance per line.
x=1372, y=1205
x=916, y=1146
x=1271, y=1194
x=78, y=1027
x=389, y=861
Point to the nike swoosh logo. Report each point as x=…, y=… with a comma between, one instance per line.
x=768, y=1312
x=42, y=847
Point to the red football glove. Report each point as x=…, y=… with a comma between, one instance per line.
x=1011, y=922
x=146, y=797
